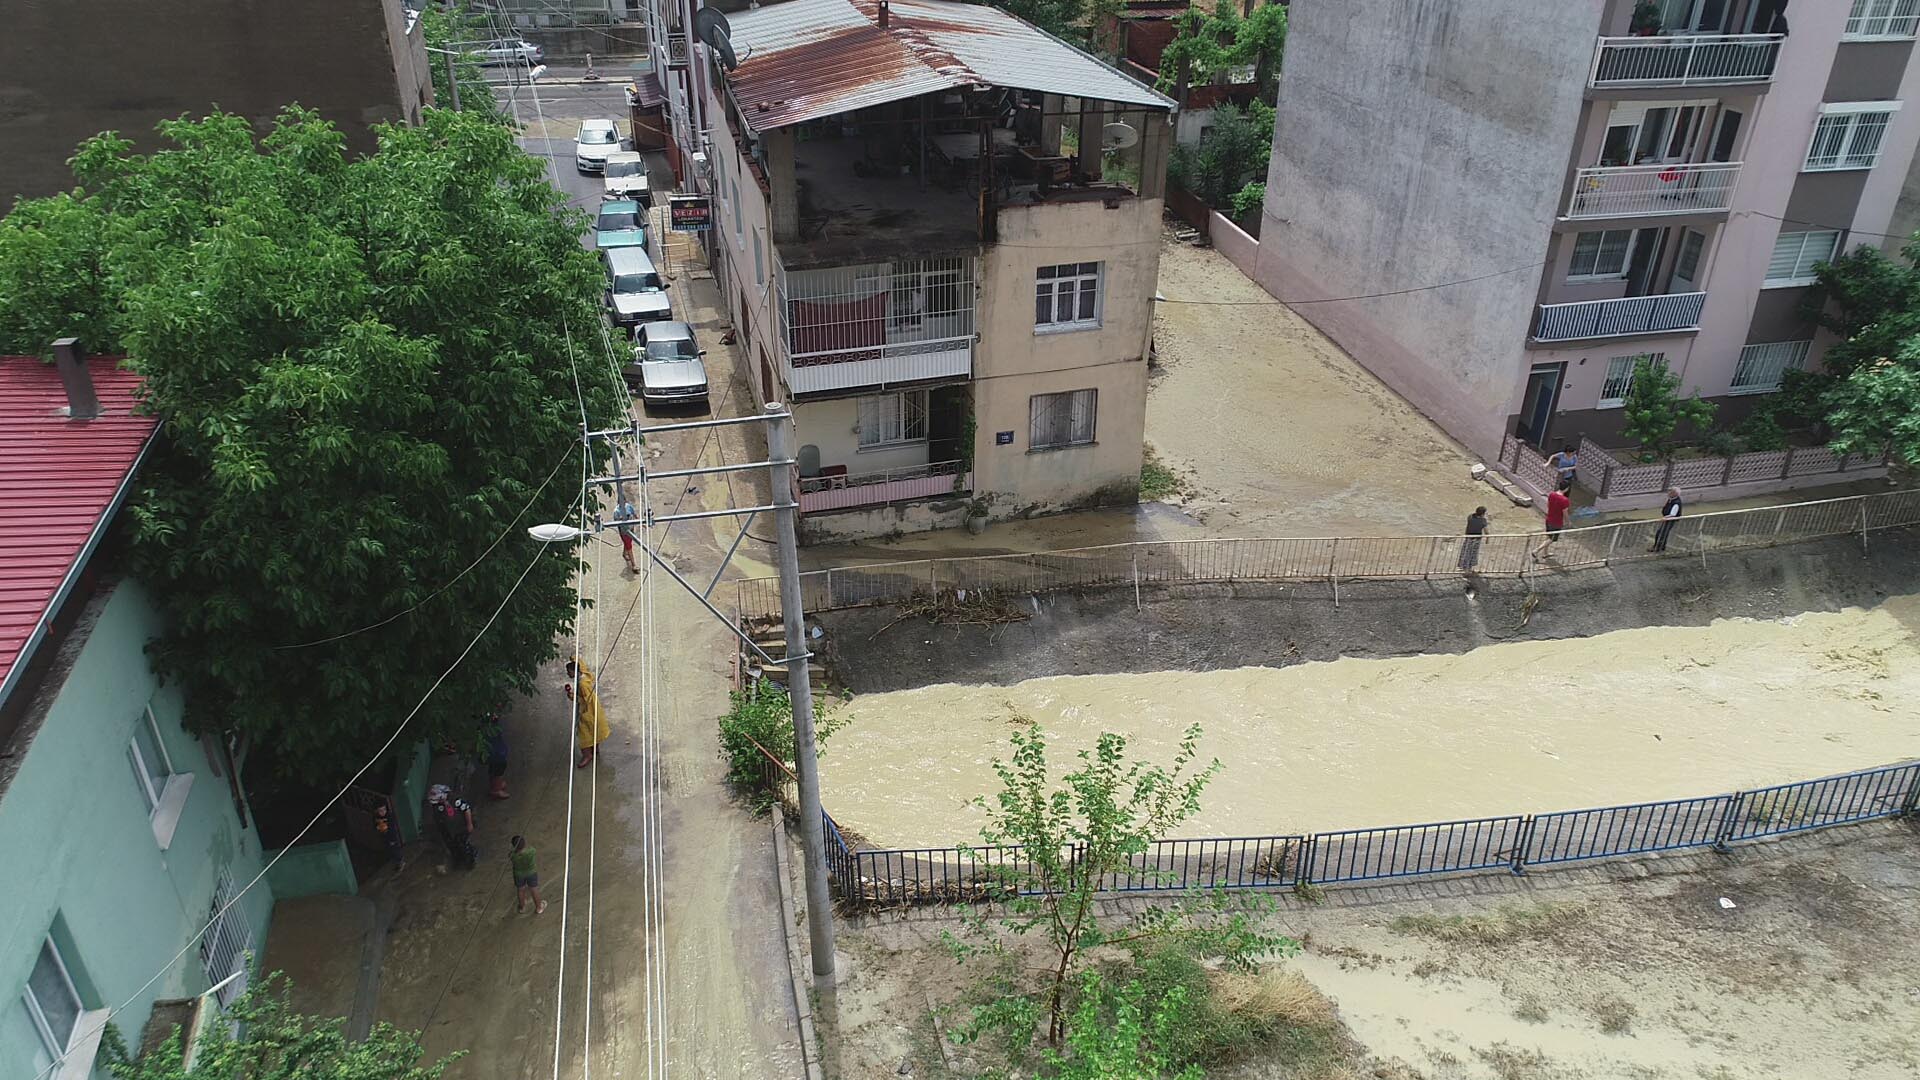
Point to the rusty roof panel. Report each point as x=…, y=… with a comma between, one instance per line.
x=806, y=59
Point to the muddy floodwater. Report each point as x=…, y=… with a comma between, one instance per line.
x=1627, y=716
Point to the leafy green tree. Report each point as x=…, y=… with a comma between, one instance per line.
x=1654, y=409
x=1207, y=44
x=1249, y=199
x=1074, y=839
x=454, y=31
x=53, y=277
x=1871, y=301
x=1229, y=155
x=1878, y=407
x=276, y=1043
x=1261, y=41
x=365, y=371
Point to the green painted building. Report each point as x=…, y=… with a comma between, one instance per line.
x=122, y=835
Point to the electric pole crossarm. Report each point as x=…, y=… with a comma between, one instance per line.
x=669, y=474
x=691, y=516
x=785, y=662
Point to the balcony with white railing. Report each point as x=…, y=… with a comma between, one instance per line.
x=847, y=492
x=1612, y=191
x=1669, y=314
x=881, y=324
x=1687, y=60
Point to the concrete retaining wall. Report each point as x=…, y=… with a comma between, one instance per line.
x=313, y=870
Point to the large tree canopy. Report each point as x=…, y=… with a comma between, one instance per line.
x=1870, y=396
x=364, y=369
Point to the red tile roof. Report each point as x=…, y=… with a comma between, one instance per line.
x=59, y=481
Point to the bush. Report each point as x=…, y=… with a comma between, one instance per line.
x=764, y=715
x=1720, y=444
x=1249, y=199
x=1229, y=1016
x=1763, y=431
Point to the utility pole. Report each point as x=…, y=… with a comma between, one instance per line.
x=780, y=450
x=453, y=81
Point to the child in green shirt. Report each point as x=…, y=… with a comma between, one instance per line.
x=526, y=875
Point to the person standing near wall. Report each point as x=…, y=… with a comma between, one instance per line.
x=1470, y=547
x=1669, y=517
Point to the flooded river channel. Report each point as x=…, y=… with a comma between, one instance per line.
x=1632, y=715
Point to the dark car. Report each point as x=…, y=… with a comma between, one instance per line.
x=666, y=367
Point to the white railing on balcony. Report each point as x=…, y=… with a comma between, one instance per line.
x=880, y=365
x=1615, y=318
x=1606, y=191
x=1695, y=60
x=819, y=493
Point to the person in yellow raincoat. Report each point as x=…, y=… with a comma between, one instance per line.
x=590, y=720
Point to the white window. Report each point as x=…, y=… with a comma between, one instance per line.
x=1849, y=135
x=52, y=1002
x=1794, y=256
x=893, y=419
x=1619, y=380
x=1601, y=256
x=1882, y=19
x=1066, y=297
x=163, y=790
x=1061, y=420
x=1762, y=366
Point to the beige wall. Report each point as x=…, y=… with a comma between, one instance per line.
x=734, y=247
x=1013, y=362
x=830, y=426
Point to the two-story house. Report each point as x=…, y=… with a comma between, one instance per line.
x=925, y=249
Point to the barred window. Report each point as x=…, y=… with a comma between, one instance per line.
x=1061, y=420
x=1849, y=136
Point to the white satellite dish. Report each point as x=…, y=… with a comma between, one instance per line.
x=1118, y=136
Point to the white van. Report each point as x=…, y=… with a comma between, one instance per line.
x=635, y=293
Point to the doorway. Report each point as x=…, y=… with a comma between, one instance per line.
x=1536, y=407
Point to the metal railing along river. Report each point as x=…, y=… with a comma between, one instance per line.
x=1329, y=559
x=873, y=879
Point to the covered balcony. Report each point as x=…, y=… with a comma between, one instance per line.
x=1624, y=191
x=877, y=324
x=1684, y=60
x=1622, y=317
x=879, y=449
x=847, y=491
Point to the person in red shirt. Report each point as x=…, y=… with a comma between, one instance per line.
x=1557, y=504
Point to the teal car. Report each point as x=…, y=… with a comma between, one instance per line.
x=621, y=223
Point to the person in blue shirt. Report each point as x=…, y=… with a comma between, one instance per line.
x=1566, y=463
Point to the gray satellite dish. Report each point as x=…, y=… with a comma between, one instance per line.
x=711, y=27
x=1118, y=136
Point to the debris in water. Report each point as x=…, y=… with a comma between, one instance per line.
x=1727, y=904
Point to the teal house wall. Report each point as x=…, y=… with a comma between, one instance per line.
x=79, y=849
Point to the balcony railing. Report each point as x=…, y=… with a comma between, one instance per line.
x=1615, y=318
x=1696, y=60
x=819, y=493
x=1607, y=191
x=880, y=365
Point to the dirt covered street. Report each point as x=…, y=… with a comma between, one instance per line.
x=1790, y=959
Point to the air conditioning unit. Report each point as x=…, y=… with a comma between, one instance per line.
x=700, y=165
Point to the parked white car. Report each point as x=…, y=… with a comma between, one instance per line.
x=509, y=51
x=596, y=140
x=626, y=177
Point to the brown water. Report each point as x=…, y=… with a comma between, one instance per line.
x=1653, y=713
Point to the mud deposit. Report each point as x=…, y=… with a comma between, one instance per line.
x=1640, y=714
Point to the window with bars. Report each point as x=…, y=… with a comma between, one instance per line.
x=1067, y=296
x=893, y=419
x=1881, y=19
x=1762, y=367
x=832, y=312
x=1601, y=256
x=1056, y=421
x=225, y=946
x=1849, y=136
x=1619, y=380
x=1795, y=254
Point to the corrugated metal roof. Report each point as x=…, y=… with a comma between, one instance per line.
x=806, y=59
x=58, y=479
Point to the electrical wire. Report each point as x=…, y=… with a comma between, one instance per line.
x=456, y=578
x=377, y=757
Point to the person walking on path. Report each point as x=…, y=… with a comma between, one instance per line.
x=453, y=817
x=1557, y=504
x=495, y=737
x=590, y=721
x=625, y=512
x=1470, y=547
x=1566, y=464
x=389, y=831
x=526, y=876
x=1669, y=517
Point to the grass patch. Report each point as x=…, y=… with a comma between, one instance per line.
x=1776, y=808
x=1501, y=927
x=1531, y=1010
x=1614, y=1013
x=1309, y=893
x=1157, y=481
x=1271, y=1015
x=1509, y=1062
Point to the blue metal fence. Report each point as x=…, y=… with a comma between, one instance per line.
x=905, y=877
